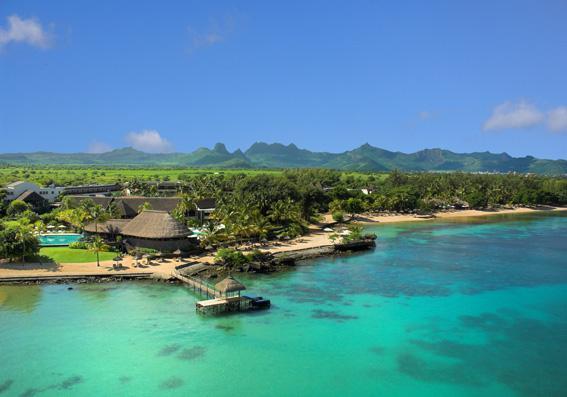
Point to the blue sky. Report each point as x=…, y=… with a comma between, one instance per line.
x=326, y=75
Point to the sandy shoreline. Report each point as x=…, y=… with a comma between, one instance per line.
x=316, y=238
x=372, y=219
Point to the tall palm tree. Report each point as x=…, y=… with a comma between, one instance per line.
x=23, y=233
x=97, y=245
x=95, y=213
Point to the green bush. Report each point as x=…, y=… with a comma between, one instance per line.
x=81, y=245
x=231, y=257
x=338, y=216
x=148, y=250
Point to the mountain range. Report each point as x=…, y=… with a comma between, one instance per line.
x=276, y=155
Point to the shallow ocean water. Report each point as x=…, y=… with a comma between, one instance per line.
x=462, y=308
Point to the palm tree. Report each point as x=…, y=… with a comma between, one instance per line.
x=95, y=214
x=211, y=234
x=186, y=204
x=97, y=245
x=23, y=234
x=143, y=207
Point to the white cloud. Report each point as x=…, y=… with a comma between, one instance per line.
x=557, y=119
x=207, y=39
x=216, y=33
x=98, y=147
x=425, y=115
x=27, y=31
x=514, y=115
x=149, y=141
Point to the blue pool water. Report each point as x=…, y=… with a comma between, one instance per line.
x=474, y=308
x=46, y=240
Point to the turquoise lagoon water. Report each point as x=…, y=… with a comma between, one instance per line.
x=46, y=240
x=471, y=308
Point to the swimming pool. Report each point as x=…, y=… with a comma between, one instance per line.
x=60, y=239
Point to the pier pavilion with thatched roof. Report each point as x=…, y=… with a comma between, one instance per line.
x=229, y=287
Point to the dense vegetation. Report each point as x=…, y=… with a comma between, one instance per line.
x=263, y=155
x=262, y=206
x=84, y=175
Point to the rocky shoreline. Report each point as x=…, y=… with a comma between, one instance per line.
x=282, y=261
x=270, y=263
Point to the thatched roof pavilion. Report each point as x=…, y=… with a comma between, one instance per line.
x=230, y=286
x=155, y=225
x=111, y=226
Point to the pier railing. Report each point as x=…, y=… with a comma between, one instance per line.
x=199, y=285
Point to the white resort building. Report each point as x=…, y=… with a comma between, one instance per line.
x=16, y=189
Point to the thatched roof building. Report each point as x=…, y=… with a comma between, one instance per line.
x=155, y=225
x=150, y=229
x=76, y=201
x=229, y=286
x=129, y=206
x=111, y=227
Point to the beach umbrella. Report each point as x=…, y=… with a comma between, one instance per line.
x=177, y=253
x=137, y=256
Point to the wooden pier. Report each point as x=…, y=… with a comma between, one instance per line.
x=224, y=297
x=198, y=285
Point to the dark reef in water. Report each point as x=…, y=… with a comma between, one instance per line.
x=332, y=315
x=191, y=353
x=171, y=383
x=65, y=384
x=169, y=350
x=518, y=351
x=5, y=385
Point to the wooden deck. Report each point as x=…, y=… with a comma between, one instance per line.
x=223, y=305
x=198, y=285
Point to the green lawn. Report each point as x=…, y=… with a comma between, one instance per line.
x=68, y=255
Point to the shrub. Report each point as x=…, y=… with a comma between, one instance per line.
x=231, y=257
x=82, y=245
x=257, y=255
x=338, y=216
x=148, y=250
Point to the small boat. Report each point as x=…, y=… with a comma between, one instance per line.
x=257, y=302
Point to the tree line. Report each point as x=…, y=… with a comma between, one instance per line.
x=265, y=206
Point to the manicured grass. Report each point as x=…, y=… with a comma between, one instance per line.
x=68, y=255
